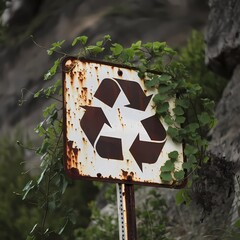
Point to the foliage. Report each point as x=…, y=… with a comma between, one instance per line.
x=193, y=58
x=16, y=216
x=151, y=221
x=188, y=121
x=152, y=218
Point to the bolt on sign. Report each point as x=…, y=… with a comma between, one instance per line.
x=112, y=131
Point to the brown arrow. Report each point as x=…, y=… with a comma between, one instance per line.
x=145, y=152
x=135, y=95
x=107, y=92
x=109, y=147
x=154, y=128
x=92, y=122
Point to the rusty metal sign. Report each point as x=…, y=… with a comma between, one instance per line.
x=112, y=131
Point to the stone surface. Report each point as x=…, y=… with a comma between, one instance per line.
x=223, y=36
x=23, y=63
x=223, y=56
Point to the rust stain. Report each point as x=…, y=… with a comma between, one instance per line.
x=84, y=95
x=70, y=65
x=124, y=173
x=72, y=155
x=120, y=117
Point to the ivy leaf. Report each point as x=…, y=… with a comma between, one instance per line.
x=165, y=78
x=192, y=127
x=94, y=49
x=38, y=93
x=168, y=120
x=82, y=39
x=180, y=119
x=173, y=133
x=182, y=196
x=184, y=103
x=187, y=166
x=190, y=150
x=204, y=118
x=55, y=45
x=41, y=176
x=163, y=108
x=168, y=166
x=179, y=175
x=178, y=111
x=99, y=43
x=136, y=45
x=154, y=81
x=159, y=98
x=107, y=37
x=158, y=46
x=52, y=71
x=173, y=155
x=28, y=187
x=164, y=89
x=116, y=49
x=166, y=176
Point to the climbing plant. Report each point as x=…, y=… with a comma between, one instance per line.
x=159, y=66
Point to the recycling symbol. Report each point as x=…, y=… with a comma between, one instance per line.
x=111, y=147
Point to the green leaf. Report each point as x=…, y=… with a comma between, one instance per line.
x=168, y=166
x=182, y=196
x=41, y=176
x=152, y=82
x=165, y=89
x=158, y=46
x=190, y=150
x=82, y=39
x=107, y=38
x=99, y=43
x=184, y=103
x=116, y=49
x=237, y=223
x=204, y=118
x=162, y=108
x=165, y=78
x=192, y=127
x=136, y=45
x=94, y=49
x=179, y=175
x=187, y=166
x=52, y=71
x=173, y=155
x=55, y=45
x=178, y=111
x=28, y=187
x=38, y=93
x=159, y=98
x=180, y=119
x=168, y=120
x=173, y=132
x=166, y=176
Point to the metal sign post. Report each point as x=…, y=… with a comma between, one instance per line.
x=126, y=212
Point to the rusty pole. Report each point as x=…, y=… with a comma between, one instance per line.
x=126, y=212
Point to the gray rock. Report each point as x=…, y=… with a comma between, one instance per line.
x=223, y=36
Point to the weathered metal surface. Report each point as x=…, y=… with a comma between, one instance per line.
x=111, y=129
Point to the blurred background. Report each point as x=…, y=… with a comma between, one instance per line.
x=27, y=30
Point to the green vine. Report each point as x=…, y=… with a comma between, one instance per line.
x=188, y=121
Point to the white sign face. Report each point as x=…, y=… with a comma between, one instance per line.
x=112, y=131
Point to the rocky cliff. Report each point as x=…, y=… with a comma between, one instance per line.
x=23, y=63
